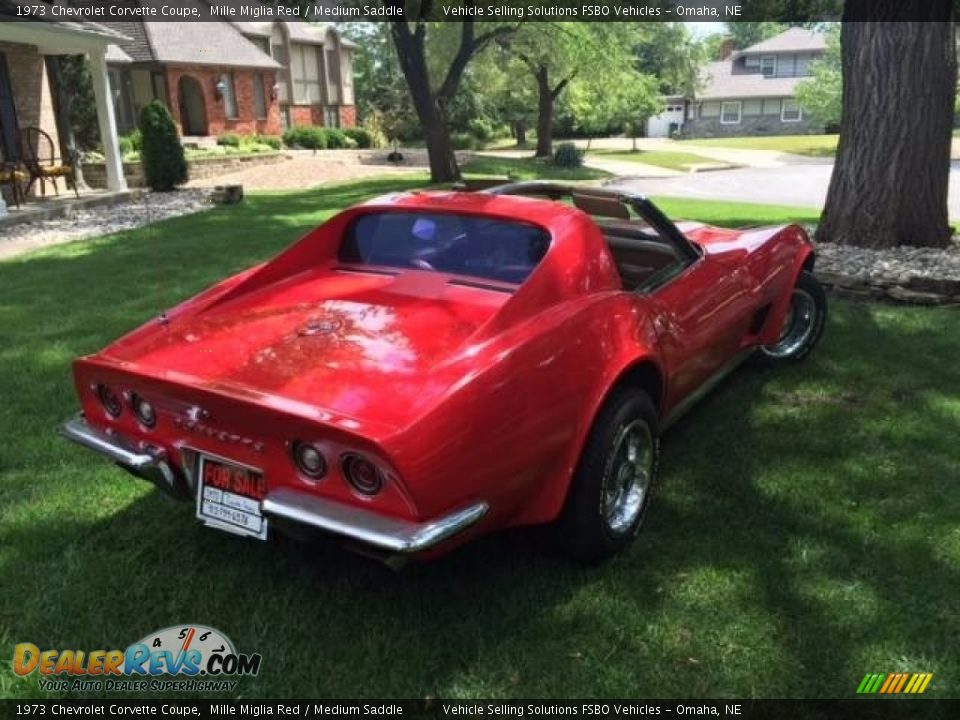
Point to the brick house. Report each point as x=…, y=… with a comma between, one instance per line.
x=315, y=86
x=242, y=77
x=26, y=93
x=749, y=92
x=208, y=74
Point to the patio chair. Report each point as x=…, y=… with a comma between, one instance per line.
x=42, y=162
x=14, y=176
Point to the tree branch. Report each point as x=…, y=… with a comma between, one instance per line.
x=561, y=85
x=470, y=45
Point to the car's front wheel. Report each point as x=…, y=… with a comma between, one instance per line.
x=802, y=325
x=614, y=480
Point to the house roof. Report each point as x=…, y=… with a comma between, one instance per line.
x=795, y=39
x=193, y=43
x=84, y=28
x=300, y=31
x=116, y=56
x=720, y=82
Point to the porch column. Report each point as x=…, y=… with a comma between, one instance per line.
x=107, y=121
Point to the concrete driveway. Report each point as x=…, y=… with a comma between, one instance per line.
x=803, y=185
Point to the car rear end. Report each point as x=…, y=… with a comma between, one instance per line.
x=250, y=460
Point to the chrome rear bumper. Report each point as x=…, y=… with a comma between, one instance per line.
x=148, y=463
x=384, y=533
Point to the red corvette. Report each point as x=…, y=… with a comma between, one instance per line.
x=428, y=367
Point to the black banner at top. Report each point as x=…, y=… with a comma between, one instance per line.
x=807, y=11
x=437, y=709
x=325, y=11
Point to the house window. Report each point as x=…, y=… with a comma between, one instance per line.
x=333, y=76
x=259, y=96
x=278, y=51
x=331, y=117
x=791, y=111
x=771, y=106
x=306, y=74
x=710, y=110
x=730, y=112
x=229, y=95
x=158, y=85
x=768, y=65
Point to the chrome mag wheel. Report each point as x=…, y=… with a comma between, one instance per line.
x=798, y=326
x=628, y=475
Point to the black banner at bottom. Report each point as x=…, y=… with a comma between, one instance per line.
x=435, y=708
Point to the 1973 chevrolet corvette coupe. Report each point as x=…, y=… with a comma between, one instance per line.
x=429, y=367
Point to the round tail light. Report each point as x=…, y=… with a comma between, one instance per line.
x=309, y=460
x=362, y=474
x=143, y=410
x=109, y=399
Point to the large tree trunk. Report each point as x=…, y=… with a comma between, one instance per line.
x=431, y=105
x=544, y=114
x=889, y=183
x=429, y=108
x=520, y=132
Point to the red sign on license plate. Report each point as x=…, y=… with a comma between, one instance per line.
x=235, y=479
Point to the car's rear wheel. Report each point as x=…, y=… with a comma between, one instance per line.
x=802, y=326
x=614, y=480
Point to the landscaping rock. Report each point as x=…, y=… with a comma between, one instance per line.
x=148, y=208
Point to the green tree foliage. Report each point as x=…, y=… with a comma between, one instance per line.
x=555, y=53
x=618, y=102
x=821, y=94
x=668, y=52
x=381, y=94
x=76, y=93
x=164, y=163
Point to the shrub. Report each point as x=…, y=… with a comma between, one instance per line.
x=568, y=155
x=336, y=138
x=229, y=139
x=464, y=141
x=305, y=136
x=361, y=136
x=482, y=129
x=273, y=141
x=130, y=143
x=164, y=164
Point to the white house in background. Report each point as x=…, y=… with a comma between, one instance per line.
x=749, y=92
x=670, y=121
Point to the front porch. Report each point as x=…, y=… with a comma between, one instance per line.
x=28, y=100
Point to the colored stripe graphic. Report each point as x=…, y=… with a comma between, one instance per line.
x=894, y=683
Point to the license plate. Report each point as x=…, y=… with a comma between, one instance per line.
x=229, y=497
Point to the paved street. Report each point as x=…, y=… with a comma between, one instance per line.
x=803, y=185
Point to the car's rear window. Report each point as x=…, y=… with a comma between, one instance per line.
x=469, y=245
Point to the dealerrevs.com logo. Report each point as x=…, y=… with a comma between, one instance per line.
x=181, y=657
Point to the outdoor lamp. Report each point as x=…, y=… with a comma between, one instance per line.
x=220, y=86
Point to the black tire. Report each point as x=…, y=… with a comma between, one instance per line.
x=803, y=326
x=589, y=531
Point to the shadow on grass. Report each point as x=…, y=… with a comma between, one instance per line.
x=805, y=528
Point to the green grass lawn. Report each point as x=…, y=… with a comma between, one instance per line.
x=681, y=161
x=813, y=145
x=528, y=169
x=805, y=532
x=734, y=215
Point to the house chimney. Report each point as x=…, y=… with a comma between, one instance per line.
x=726, y=47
